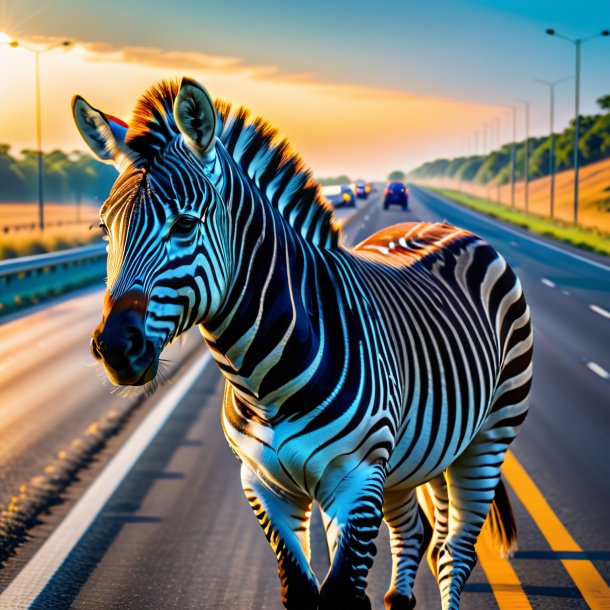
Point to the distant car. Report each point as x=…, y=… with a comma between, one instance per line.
x=396, y=193
x=362, y=190
x=340, y=196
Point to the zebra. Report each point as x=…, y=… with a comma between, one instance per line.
x=385, y=382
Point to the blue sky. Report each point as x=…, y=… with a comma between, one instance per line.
x=476, y=51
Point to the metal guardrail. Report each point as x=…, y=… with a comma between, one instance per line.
x=31, y=278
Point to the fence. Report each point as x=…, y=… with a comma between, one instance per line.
x=31, y=278
x=32, y=226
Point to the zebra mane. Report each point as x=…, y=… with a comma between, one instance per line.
x=275, y=168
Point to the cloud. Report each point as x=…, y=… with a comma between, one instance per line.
x=195, y=61
x=185, y=61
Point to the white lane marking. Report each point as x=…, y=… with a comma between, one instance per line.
x=566, y=292
x=39, y=571
x=522, y=235
x=600, y=310
x=548, y=282
x=598, y=370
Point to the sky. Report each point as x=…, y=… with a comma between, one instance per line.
x=359, y=88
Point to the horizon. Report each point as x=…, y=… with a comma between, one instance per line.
x=358, y=97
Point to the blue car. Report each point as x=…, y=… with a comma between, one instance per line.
x=396, y=193
x=362, y=190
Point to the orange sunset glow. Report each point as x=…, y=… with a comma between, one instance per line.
x=337, y=128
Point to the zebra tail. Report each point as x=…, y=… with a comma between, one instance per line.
x=502, y=521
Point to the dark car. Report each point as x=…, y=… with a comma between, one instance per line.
x=340, y=196
x=362, y=190
x=396, y=193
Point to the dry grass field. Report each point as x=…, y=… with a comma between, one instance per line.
x=27, y=241
x=27, y=213
x=594, y=197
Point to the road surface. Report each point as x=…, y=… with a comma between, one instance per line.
x=178, y=533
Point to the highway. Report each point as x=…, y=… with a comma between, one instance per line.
x=177, y=533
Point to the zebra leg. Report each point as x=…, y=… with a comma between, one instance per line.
x=437, y=490
x=353, y=510
x=471, y=484
x=408, y=541
x=285, y=521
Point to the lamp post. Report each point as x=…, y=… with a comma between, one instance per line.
x=577, y=42
x=497, y=124
x=527, y=146
x=551, y=86
x=37, y=54
x=513, y=154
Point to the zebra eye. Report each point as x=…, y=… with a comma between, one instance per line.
x=184, y=225
x=106, y=233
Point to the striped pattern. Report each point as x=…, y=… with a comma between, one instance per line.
x=353, y=375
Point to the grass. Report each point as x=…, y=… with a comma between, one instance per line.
x=28, y=242
x=587, y=239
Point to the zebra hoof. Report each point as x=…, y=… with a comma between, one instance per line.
x=396, y=601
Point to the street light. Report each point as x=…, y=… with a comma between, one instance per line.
x=526, y=173
x=513, y=154
x=37, y=54
x=551, y=86
x=577, y=42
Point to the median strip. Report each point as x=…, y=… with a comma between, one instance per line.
x=587, y=579
x=38, y=572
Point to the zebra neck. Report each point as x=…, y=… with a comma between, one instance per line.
x=265, y=322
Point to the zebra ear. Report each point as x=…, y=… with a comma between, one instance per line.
x=195, y=116
x=103, y=133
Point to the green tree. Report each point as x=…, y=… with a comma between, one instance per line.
x=334, y=181
x=81, y=176
x=397, y=175
x=604, y=102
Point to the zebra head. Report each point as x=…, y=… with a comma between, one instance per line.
x=163, y=220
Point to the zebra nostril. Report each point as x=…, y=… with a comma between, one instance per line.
x=95, y=350
x=135, y=342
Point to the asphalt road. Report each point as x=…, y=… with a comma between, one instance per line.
x=178, y=532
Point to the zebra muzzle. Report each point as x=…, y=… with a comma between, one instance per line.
x=120, y=341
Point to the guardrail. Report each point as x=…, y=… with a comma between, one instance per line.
x=30, y=278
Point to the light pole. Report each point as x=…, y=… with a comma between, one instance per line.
x=577, y=42
x=527, y=146
x=497, y=123
x=37, y=54
x=551, y=86
x=513, y=154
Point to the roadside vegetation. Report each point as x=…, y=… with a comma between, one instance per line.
x=588, y=239
x=495, y=168
x=27, y=242
x=69, y=177
x=74, y=178
x=19, y=235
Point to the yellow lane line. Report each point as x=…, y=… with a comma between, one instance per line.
x=590, y=583
x=500, y=574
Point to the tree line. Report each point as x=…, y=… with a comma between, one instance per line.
x=495, y=168
x=68, y=177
